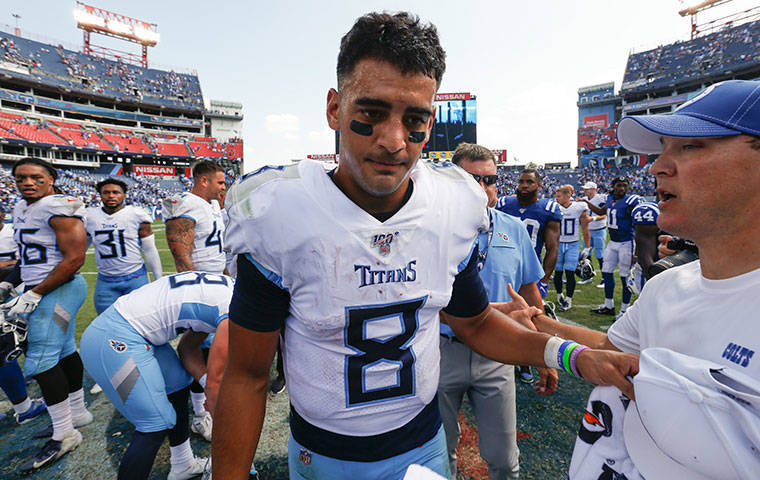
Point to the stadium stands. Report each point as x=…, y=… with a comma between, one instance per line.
x=57, y=66
x=728, y=50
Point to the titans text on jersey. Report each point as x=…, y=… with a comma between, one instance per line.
x=361, y=339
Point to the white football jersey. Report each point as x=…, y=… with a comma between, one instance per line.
x=571, y=221
x=115, y=238
x=8, y=247
x=38, y=247
x=208, y=250
x=598, y=200
x=162, y=310
x=361, y=342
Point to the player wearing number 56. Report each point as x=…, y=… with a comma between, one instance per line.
x=126, y=350
x=52, y=243
x=117, y=232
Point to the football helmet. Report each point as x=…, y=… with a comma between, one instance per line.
x=12, y=338
x=585, y=269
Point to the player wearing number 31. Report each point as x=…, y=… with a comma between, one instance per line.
x=117, y=233
x=52, y=242
x=353, y=266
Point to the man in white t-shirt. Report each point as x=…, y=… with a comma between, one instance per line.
x=705, y=309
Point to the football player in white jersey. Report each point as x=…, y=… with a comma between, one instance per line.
x=574, y=220
x=597, y=226
x=194, y=224
x=50, y=232
x=8, y=247
x=126, y=350
x=195, y=234
x=118, y=232
x=353, y=267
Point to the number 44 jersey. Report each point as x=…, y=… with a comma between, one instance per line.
x=38, y=246
x=208, y=253
x=361, y=339
x=115, y=238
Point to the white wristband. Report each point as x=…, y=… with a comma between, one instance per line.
x=551, y=350
x=202, y=380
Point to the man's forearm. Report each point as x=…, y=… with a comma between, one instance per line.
x=586, y=336
x=238, y=418
x=550, y=261
x=500, y=338
x=60, y=274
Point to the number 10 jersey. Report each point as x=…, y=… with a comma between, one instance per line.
x=361, y=339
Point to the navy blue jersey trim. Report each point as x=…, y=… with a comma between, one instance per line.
x=468, y=295
x=416, y=433
x=257, y=303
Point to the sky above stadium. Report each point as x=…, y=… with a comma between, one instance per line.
x=524, y=60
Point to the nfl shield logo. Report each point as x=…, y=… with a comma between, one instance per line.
x=383, y=242
x=304, y=456
x=119, y=347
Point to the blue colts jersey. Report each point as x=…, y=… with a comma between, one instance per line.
x=645, y=213
x=535, y=217
x=620, y=218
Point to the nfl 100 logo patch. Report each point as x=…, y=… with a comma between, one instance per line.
x=119, y=347
x=383, y=242
x=304, y=456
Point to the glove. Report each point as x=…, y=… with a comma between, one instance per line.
x=543, y=288
x=586, y=251
x=22, y=305
x=7, y=290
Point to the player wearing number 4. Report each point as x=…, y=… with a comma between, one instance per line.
x=353, y=267
x=574, y=218
x=195, y=234
x=52, y=243
x=126, y=350
x=117, y=232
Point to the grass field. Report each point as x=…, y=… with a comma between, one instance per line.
x=546, y=425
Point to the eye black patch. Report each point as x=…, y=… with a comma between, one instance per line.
x=416, y=137
x=360, y=128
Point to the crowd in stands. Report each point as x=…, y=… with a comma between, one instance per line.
x=641, y=181
x=729, y=49
x=78, y=71
x=19, y=128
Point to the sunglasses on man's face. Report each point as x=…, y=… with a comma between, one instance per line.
x=487, y=179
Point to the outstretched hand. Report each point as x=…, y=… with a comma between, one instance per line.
x=605, y=367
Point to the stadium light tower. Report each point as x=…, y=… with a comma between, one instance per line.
x=17, y=31
x=736, y=18
x=96, y=20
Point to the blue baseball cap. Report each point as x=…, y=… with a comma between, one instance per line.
x=721, y=110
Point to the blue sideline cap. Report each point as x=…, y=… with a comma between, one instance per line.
x=721, y=110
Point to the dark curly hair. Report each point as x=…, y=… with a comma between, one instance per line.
x=111, y=181
x=400, y=39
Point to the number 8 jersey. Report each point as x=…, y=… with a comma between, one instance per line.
x=208, y=253
x=115, y=238
x=38, y=246
x=361, y=342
